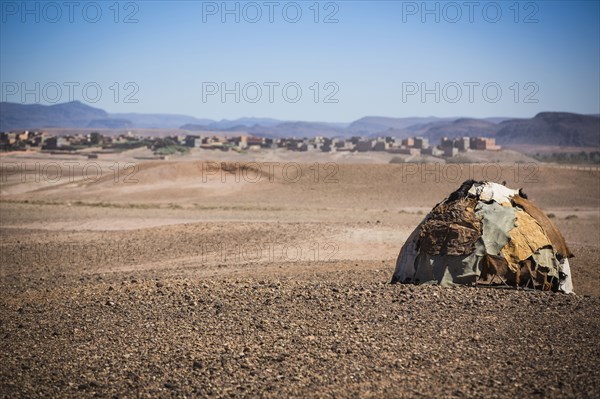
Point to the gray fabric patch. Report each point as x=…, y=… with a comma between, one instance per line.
x=498, y=221
x=447, y=270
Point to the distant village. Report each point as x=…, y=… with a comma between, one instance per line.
x=96, y=143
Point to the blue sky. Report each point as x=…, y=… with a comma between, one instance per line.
x=387, y=58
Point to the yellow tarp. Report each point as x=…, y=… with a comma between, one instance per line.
x=524, y=240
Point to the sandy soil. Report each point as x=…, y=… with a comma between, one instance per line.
x=184, y=281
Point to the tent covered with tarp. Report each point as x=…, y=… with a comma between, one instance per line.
x=486, y=234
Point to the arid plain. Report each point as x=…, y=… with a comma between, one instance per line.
x=266, y=275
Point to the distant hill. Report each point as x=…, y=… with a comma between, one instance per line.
x=30, y=116
x=460, y=127
x=497, y=119
x=78, y=115
x=282, y=129
x=439, y=128
x=298, y=129
x=110, y=123
x=552, y=128
x=370, y=125
x=194, y=127
x=546, y=128
x=160, y=121
x=224, y=124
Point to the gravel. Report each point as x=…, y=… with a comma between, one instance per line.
x=146, y=336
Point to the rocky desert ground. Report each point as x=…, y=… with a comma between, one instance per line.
x=266, y=275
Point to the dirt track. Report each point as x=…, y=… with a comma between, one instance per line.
x=178, y=287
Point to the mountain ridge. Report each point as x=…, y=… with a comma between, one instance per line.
x=549, y=128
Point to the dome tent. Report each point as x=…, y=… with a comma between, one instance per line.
x=486, y=234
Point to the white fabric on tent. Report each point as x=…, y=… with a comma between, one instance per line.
x=566, y=284
x=489, y=191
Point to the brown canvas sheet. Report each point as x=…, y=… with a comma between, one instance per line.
x=451, y=229
x=492, y=266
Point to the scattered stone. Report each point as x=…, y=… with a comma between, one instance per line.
x=197, y=365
